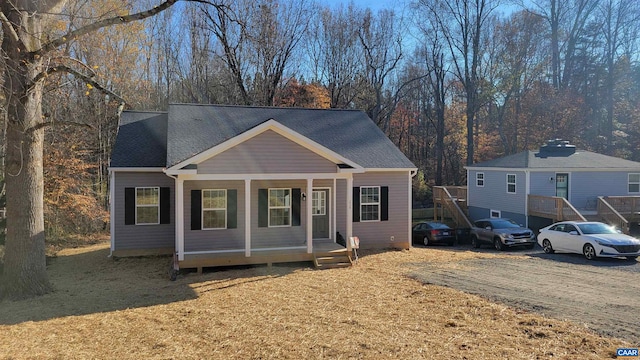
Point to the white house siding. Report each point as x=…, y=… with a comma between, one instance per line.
x=493, y=195
x=267, y=153
x=378, y=234
x=141, y=237
x=210, y=240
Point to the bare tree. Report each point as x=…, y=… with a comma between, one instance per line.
x=29, y=46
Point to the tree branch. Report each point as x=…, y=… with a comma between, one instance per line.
x=104, y=23
x=83, y=77
x=7, y=24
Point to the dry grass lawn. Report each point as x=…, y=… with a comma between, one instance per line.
x=127, y=309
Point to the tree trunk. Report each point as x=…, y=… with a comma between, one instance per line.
x=24, y=272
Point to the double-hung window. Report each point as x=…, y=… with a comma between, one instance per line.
x=634, y=183
x=370, y=203
x=511, y=183
x=214, y=209
x=147, y=205
x=279, y=207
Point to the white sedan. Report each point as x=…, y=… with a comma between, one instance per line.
x=592, y=239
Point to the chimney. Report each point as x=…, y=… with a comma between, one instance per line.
x=557, y=147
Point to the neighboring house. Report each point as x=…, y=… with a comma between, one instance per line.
x=554, y=183
x=220, y=185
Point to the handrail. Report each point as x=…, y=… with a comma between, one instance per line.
x=453, y=206
x=611, y=215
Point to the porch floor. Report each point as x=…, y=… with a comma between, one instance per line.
x=320, y=248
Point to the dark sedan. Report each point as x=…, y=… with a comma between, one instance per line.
x=429, y=232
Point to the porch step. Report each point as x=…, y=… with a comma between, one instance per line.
x=332, y=261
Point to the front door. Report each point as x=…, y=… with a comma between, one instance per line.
x=562, y=185
x=320, y=211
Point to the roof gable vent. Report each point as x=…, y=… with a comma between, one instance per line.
x=556, y=147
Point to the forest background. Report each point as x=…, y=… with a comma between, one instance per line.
x=451, y=82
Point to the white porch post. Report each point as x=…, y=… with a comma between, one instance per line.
x=179, y=211
x=247, y=217
x=349, y=208
x=334, y=216
x=309, y=207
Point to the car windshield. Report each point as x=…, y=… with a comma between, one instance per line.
x=596, y=228
x=504, y=224
x=438, y=226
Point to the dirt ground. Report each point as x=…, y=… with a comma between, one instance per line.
x=127, y=309
x=603, y=294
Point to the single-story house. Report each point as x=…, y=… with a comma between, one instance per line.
x=218, y=185
x=553, y=183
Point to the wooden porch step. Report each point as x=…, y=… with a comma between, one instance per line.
x=332, y=261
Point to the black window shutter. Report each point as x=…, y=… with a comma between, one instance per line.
x=263, y=207
x=196, y=210
x=129, y=206
x=356, y=204
x=295, y=207
x=384, y=203
x=232, y=208
x=165, y=205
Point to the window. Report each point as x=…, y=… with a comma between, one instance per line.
x=318, y=203
x=370, y=203
x=496, y=214
x=214, y=209
x=147, y=205
x=480, y=179
x=634, y=183
x=279, y=207
x=511, y=183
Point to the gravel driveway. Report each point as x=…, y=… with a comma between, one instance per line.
x=603, y=294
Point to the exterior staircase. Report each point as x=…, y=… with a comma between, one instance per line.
x=332, y=260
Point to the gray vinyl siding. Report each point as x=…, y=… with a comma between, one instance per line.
x=141, y=237
x=275, y=237
x=377, y=234
x=219, y=239
x=494, y=196
x=267, y=153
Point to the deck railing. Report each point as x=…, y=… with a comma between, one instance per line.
x=557, y=208
x=610, y=214
x=441, y=195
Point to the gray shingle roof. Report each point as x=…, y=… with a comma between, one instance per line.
x=141, y=140
x=581, y=159
x=193, y=129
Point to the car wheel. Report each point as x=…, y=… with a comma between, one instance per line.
x=425, y=241
x=632, y=258
x=474, y=242
x=546, y=246
x=498, y=244
x=589, y=251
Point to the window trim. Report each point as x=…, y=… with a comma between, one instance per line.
x=629, y=183
x=157, y=205
x=491, y=212
x=203, y=209
x=478, y=180
x=378, y=204
x=269, y=207
x=514, y=183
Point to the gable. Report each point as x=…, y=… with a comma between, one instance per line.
x=268, y=152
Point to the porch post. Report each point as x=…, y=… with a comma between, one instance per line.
x=309, y=209
x=179, y=211
x=349, y=207
x=247, y=217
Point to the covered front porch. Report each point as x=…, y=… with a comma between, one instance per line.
x=309, y=202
